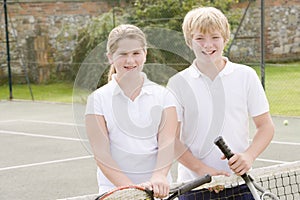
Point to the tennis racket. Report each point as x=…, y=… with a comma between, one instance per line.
x=253, y=187
x=135, y=192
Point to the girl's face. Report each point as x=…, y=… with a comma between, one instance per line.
x=209, y=46
x=129, y=57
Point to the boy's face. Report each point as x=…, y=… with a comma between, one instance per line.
x=208, y=46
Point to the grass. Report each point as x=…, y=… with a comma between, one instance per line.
x=282, y=84
x=56, y=92
x=282, y=88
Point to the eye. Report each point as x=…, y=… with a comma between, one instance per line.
x=216, y=37
x=122, y=54
x=199, y=38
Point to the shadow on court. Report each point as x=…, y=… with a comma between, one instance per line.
x=42, y=157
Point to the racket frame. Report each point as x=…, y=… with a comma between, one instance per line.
x=173, y=194
x=137, y=187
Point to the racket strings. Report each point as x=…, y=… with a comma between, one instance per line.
x=129, y=193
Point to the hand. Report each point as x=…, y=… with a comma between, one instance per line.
x=240, y=163
x=205, y=169
x=217, y=188
x=213, y=172
x=160, y=186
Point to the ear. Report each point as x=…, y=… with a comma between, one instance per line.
x=109, y=56
x=145, y=58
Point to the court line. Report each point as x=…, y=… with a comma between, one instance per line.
x=52, y=122
x=44, y=163
x=85, y=140
x=42, y=136
x=41, y=122
x=286, y=143
x=8, y=121
x=272, y=161
x=86, y=197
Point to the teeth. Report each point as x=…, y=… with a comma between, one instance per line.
x=208, y=52
x=129, y=67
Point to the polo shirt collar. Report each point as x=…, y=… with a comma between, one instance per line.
x=145, y=89
x=196, y=73
x=229, y=68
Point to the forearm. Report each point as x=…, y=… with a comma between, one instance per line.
x=113, y=173
x=108, y=165
x=186, y=158
x=166, y=142
x=100, y=144
x=259, y=143
x=164, y=159
x=263, y=136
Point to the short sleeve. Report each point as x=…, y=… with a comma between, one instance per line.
x=257, y=100
x=169, y=99
x=174, y=91
x=94, y=105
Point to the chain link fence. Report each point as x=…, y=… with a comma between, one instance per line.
x=52, y=47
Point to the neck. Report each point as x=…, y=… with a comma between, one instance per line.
x=131, y=85
x=211, y=69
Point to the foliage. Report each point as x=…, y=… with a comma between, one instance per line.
x=167, y=14
x=96, y=32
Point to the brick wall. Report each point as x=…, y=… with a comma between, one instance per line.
x=54, y=25
x=43, y=34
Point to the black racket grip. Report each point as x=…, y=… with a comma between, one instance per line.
x=193, y=184
x=219, y=141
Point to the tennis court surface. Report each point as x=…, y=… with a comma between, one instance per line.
x=43, y=157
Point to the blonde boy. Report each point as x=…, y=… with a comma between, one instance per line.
x=216, y=97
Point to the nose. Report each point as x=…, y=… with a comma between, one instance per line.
x=206, y=44
x=129, y=59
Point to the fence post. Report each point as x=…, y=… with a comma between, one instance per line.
x=7, y=50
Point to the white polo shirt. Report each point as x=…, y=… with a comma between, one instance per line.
x=132, y=127
x=209, y=109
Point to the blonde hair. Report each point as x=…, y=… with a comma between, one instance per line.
x=205, y=20
x=124, y=31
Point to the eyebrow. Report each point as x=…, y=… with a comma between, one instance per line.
x=125, y=51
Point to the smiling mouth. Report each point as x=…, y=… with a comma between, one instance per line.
x=208, y=52
x=129, y=67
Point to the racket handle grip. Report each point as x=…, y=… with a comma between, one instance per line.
x=219, y=141
x=195, y=183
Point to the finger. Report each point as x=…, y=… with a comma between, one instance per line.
x=233, y=159
x=236, y=164
x=146, y=185
x=166, y=190
x=163, y=190
x=223, y=157
x=224, y=173
x=155, y=190
x=242, y=170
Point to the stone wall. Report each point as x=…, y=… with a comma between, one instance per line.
x=43, y=34
x=282, y=32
